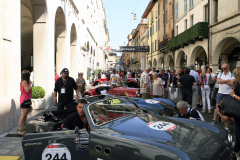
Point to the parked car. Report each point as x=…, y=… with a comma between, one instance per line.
x=119, y=129
x=131, y=82
x=117, y=91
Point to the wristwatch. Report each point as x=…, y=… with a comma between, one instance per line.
x=234, y=96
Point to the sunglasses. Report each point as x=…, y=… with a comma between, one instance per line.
x=224, y=68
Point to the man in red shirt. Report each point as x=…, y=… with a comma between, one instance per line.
x=56, y=76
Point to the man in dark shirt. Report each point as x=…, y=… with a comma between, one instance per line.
x=133, y=74
x=78, y=118
x=108, y=75
x=186, y=112
x=164, y=78
x=64, y=87
x=187, y=82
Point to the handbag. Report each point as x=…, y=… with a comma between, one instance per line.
x=211, y=83
x=231, y=107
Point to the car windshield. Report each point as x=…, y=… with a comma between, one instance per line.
x=111, y=109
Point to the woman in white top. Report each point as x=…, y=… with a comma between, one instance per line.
x=204, y=78
x=158, y=88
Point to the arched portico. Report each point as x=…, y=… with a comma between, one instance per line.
x=154, y=63
x=227, y=51
x=74, y=56
x=180, y=60
x=60, y=37
x=169, y=64
x=198, y=57
x=160, y=63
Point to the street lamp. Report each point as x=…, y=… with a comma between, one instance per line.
x=135, y=17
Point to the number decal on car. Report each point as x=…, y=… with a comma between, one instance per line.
x=114, y=101
x=151, y=101
x=56, y=151
x=163, y=126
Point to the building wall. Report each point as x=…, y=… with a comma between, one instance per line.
x=225, y=35
x=153, y=38
x=71, y=35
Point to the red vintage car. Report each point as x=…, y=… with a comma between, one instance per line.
x=131, y=82
x=116, y=91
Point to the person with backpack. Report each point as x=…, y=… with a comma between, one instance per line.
x=187, y=112
x=225, y=81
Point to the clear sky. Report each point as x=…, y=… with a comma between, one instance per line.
x=120, y=21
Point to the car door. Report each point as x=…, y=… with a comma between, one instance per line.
x=59, y=145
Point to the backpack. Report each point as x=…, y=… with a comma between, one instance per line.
x=221, y=75
x=200, y=115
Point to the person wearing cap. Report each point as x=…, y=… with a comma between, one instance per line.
x=64, y=88
x=146, y=84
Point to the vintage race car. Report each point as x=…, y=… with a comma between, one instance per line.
x=117, y=91
x=131, y=82
x=52, y=120
x=119, y=129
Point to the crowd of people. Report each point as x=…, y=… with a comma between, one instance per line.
x=202, y=89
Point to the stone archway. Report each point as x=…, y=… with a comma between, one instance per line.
x=74, y=56
x=198, y=57
x=224, y=52
x=150, y=63
x=160, y=63
x=169, y=64
x=60, y=37
x=154, y=63
x=180, y=60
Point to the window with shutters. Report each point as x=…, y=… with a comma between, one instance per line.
x=150, y=31
x=191, y=4
x=185, y=6
x=177, y=11
x=155, y=44
x=206, y=13
x=166, y=16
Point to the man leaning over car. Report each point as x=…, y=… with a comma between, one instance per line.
x=186, y=112
x=78, y=118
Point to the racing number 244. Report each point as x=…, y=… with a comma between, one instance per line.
x=56, y=157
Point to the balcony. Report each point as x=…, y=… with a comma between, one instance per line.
x=163, y=43
x=195, y=33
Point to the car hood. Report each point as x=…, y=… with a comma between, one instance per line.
x=165, y=129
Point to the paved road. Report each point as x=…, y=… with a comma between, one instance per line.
x=11, y=146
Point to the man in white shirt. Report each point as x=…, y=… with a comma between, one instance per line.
x=225, y=81
x=114, y=78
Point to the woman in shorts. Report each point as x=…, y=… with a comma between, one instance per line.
x=25, y=100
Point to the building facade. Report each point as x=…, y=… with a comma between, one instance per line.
x=47, y=35
x=224, y=33
x=190, y=43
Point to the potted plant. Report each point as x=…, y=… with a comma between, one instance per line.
x=38, y=94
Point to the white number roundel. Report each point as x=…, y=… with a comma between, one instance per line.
x=163, y=126
x=56, y=151
x=151, y=101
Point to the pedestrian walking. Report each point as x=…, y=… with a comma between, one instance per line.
x=124, y=79
x=172, y=85
x=164, y=78
x=108, y=75
x=64, y=88
x=186, y=81
x=225, y=80
x=81, y=83
x=215, y=90
x=158, y=89
x=146, y=84
x=194, y=88
x=205, y=88
x=25, y=100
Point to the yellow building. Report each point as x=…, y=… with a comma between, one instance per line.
x=151, y=13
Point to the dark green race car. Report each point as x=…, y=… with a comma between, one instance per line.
x=119, y=129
